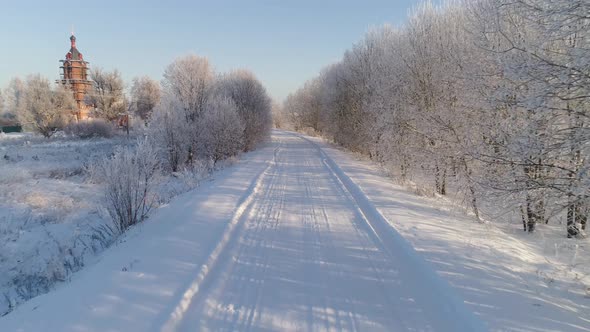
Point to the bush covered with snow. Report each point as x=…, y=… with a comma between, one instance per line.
x=90, y=129
x=221, y=135
x=170, y=132
x=129, y=176
x=252, y=105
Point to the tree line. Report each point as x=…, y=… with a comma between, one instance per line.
x=194, y=117
x=44, y=107
x=486, y=99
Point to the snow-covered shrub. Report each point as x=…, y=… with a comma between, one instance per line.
x=129, y=177
x=89, y=129
x=221, y=134
x=188, y=178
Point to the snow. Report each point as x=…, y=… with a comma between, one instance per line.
x=299, y=235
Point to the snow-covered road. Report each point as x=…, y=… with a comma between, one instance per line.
x=284, y=240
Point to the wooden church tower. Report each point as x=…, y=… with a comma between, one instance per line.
x=75, y=75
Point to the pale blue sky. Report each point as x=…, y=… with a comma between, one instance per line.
x=283, y=42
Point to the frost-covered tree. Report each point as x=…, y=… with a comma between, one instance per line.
x=252, y=102
x=222, y=129
x=108, y=94
x=189, y=79
x=540, y=90
x=45, y=109
x=145, y=95
x=1, y=104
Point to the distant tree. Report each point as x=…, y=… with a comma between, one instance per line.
x=13, y=97
x=252, y=102
x=278, y=118
x=44, y=109
x=108, y=94
x=2, y=115
x=303, y=107
x=145, y=95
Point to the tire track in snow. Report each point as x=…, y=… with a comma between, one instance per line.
x=248, y=260
x=321, y=220
x=192, y=291
x=254, y=310
x=313, y=252
x=250, y=238
x=268, y=214
x=449, y=312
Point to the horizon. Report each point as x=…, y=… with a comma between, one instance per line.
x=283, y=44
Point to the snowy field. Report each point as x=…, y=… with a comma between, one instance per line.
x=52, y=221
x=298, y=236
